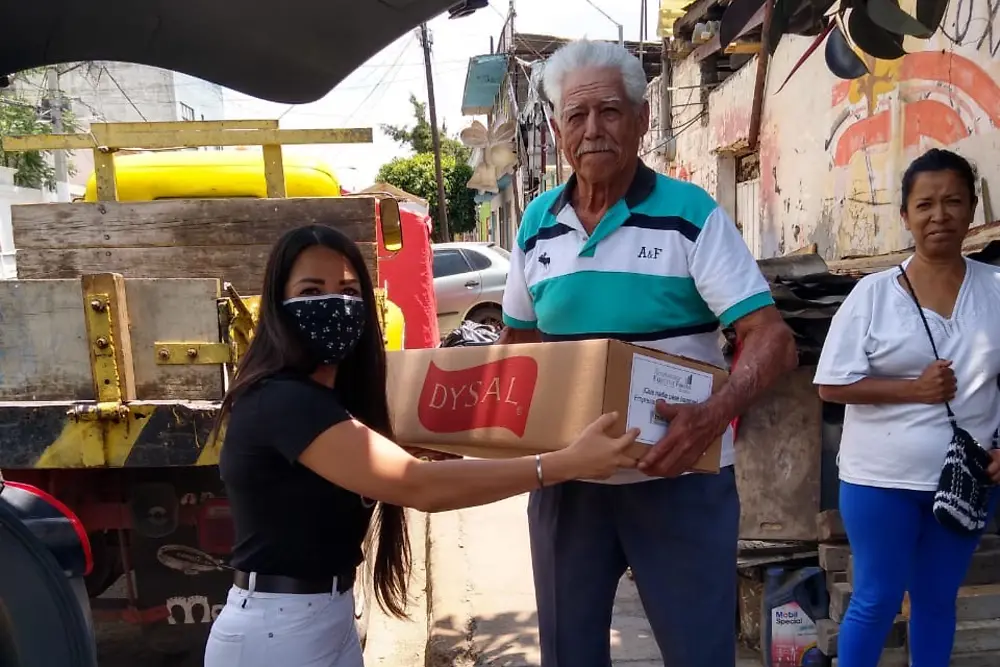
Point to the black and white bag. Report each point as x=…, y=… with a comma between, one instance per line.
x=961, y=501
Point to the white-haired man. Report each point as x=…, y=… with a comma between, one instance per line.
x=622, y=252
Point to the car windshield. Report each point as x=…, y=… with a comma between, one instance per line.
x=500, y=251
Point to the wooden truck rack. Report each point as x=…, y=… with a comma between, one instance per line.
x=117, y=341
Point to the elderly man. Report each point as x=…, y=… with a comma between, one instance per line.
x=622, y=252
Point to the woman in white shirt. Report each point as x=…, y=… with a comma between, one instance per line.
x=878, y=361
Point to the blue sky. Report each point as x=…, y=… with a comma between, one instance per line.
x=378, y=91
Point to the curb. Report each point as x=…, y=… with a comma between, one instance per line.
x=450, y=622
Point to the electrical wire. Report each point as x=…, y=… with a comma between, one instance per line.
x=122, y=91
x=675, y=132
x=392, y=68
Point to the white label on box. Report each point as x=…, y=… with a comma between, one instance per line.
x=652, y=380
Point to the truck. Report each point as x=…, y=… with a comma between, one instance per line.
x=117, y=341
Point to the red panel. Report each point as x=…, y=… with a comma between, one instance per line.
x=78, y=528
x=409, y=278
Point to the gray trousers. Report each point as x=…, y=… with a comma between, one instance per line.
x=678, y=535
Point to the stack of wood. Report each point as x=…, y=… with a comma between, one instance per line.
x=977, y=636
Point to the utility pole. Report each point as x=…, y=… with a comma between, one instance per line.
x=642, y=33
x=425, y=43
x=56, y=110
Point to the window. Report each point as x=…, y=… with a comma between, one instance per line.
x=449, y=263
x=187, y=113
x=477, y=260
x=500, y=251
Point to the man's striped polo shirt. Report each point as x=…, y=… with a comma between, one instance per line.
x=663, y=268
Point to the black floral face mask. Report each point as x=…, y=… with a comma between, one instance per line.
x=331, y=324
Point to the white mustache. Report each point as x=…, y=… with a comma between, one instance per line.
x=594, y=147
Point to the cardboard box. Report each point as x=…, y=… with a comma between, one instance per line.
x=502, y=401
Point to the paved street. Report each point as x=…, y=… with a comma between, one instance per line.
x=482, y=606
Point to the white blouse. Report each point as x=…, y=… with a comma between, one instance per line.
x=877, y=332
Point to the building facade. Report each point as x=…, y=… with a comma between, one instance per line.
x=827, y=166
x=109, y=92
x=511, y=92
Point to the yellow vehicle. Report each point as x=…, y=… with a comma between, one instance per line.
x=230, y=174
x=186, y=174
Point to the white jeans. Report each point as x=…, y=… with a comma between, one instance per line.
x=276, y=630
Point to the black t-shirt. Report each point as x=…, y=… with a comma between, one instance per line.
x=289, y=521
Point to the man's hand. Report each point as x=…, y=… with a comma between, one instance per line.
x=994, y=470
x=693, y=428
x=429, y=454
x=513, y=336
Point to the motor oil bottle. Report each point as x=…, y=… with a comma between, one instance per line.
x=792, y=604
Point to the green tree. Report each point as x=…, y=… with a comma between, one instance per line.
x=416, y=176
x=418, y=137
x=19, y=116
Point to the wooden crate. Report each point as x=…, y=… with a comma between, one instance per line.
x=44, y=349
x=778, y=462
x=226, y=239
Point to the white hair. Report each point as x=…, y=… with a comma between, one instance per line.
x=584, y=53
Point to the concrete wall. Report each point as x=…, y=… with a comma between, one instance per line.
x=150, y=93
x=11, y=195
x=204, y=97
x=832, y=151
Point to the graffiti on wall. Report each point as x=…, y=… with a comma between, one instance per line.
x=973, y=25
x=942, y=96
x=679, y=171
x=884, y=119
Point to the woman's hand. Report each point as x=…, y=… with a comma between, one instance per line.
x=595, y=454
x=994, y=470
x=936, y=384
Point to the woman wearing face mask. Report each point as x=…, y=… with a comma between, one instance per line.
x=879, y=361
x=308, y=442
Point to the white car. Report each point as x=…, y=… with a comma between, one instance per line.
x=469, y=279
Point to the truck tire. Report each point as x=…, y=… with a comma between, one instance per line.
x=42, y=621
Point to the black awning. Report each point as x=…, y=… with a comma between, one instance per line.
x=289, y=51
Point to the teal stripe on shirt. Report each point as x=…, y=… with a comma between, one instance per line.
x=678, y=198
x=610, y=302
x=745, y=307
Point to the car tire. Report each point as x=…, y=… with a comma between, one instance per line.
x=491, y=315
x=42, y=620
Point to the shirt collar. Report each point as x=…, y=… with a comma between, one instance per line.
x=642, y=186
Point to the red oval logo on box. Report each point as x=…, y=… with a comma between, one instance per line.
x=497, y=395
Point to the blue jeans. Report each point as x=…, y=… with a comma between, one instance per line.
x=899, y=546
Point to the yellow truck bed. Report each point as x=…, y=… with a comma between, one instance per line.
x=112, y=339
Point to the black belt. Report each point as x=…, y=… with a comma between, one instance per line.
x=273, y=583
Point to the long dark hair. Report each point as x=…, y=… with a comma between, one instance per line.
x=361, y=378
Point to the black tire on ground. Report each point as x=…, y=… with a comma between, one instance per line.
x=41, y=620
x=491, y=315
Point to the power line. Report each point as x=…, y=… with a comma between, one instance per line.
x=384, y=77
x=676, y=132
x=122, y=91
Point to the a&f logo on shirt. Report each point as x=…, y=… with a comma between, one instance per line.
x=649, y=253
x=544, y=260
